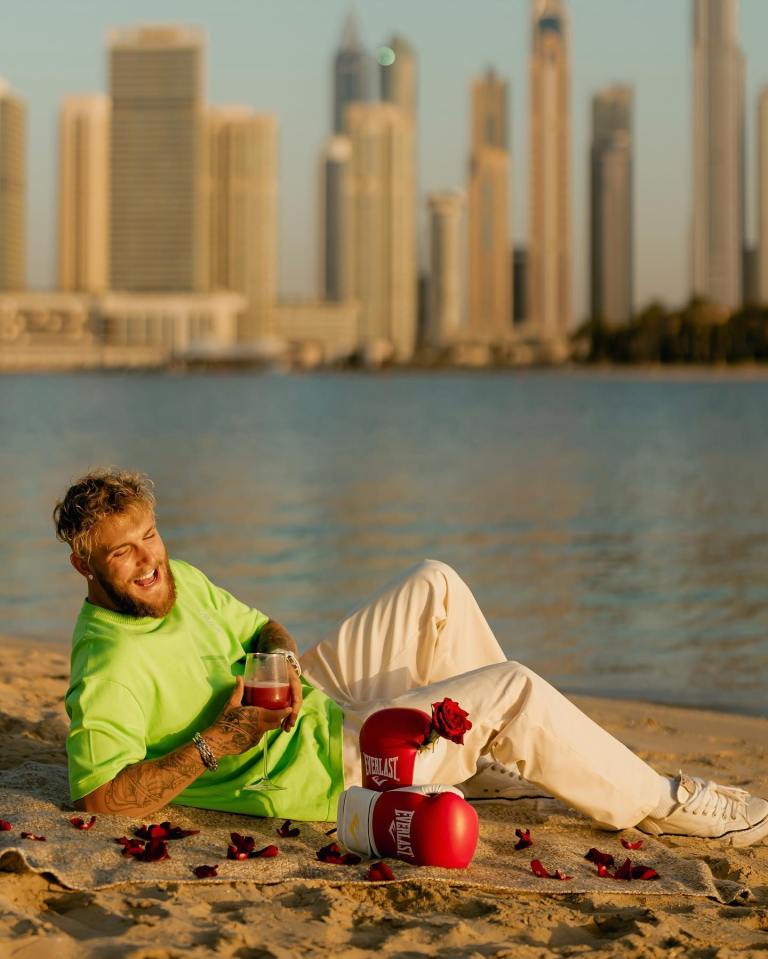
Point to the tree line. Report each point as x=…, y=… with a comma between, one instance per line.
x=697, y=333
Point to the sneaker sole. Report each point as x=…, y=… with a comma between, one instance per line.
x=737, y=837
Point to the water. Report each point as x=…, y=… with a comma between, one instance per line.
x=614, y=527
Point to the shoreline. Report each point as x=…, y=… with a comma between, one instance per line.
x=674, y=371
x=17, y=642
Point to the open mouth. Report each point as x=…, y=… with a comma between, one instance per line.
x=147, y=582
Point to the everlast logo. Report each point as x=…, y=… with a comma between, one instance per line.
x=400, y=831
x=385, y=766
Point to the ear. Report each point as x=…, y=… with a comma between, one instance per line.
x=79, y=564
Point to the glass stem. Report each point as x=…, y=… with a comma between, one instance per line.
x=264, y=775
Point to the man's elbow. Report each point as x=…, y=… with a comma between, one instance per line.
x=99, y=801
x=92, y=803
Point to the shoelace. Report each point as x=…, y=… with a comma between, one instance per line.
x=712, y=799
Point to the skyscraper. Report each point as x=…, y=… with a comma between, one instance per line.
x=13, y=156
x=611, y=206
x=156, y=222
x=398, y=80
x=549, y=250
x=519, y=284
x=351, y=72
x=762, y=190
x=382, y=235
x=718, y=153
x=83, y=225
x=399, y=86
x=351, y=84
x=444, y=312
x=489, y=277
x=242, y=220
x=335, y=267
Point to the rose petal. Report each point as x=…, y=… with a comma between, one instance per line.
x=602, y=871
x=5, y=825
x=332, y=850
x=234, y=853
x=286, y=831
x=644, y=872
x=524, y=838
x=31, y=835
x=379, y=872
x=163, y=830
x=152, y=831
x=332, y=854
x=599, y=858
x=539, y=870
x=155, y=851
x=243, y=843
x=79, y=823
x=268, y=852
x=178, y=833
x=205, y=872
x=624, y=871
x=131, y=847
x=632, y=845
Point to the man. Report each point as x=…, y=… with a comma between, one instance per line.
x=155, y=717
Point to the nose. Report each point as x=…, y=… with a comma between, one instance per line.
x=144, y=558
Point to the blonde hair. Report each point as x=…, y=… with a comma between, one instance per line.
x=102, y=492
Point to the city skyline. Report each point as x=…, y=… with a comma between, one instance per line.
x=662, y=247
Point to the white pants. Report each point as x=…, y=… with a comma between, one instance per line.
x=423, y=638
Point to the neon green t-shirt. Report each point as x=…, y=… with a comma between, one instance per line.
x=142, y=687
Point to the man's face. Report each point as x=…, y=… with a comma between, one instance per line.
x=130, y=568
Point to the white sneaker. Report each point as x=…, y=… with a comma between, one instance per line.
x=494, y=783
x=711, y=811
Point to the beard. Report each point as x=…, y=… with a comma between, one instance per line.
x=130, y=605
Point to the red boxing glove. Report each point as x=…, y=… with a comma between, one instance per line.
x=390, y=742
x=424, y=825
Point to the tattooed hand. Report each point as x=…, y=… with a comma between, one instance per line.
x=239, y=728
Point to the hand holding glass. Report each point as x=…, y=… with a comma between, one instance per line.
x=267, y=686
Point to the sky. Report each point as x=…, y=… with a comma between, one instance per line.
x=276, y=56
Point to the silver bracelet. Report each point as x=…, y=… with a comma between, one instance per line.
x=292, y=660
x=209, y=760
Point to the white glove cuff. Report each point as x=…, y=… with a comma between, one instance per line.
x=354, y=819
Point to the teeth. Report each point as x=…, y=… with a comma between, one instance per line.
x=145, y=580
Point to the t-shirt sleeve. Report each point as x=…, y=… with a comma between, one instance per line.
x=107, y=733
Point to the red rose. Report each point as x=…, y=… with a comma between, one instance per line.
x=450, y=720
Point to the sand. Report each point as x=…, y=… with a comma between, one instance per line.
x=39, y=918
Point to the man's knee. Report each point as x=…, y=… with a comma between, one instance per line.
x=433, y=569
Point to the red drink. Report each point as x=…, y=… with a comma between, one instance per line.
x=268, y=695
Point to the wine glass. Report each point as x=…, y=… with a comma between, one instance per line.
x=267, y=686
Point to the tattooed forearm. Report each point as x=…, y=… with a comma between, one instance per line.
x=147, y=786
x=275, y=636
x=235, y=731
